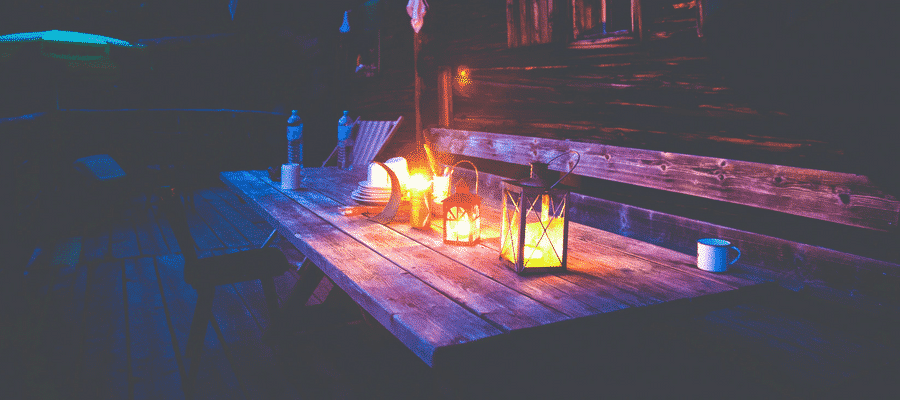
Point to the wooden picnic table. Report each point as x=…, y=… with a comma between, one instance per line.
x=433, y=296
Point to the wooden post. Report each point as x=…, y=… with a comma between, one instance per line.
x=445, y=99
x=603, y=15
x=418, y=90
x=700, y=4
x=636, y=22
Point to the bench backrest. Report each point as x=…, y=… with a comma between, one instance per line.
x=842, y=198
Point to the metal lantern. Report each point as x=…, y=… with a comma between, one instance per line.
x=535, y=222
x=462, y=213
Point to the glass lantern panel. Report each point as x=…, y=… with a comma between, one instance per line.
x=462, y=225
x=544, y=235
x=509, y=226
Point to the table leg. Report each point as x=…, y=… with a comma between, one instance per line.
x=309, y=277
x=268, y=239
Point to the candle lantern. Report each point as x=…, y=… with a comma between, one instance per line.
x=535, y=222
x=462, y=213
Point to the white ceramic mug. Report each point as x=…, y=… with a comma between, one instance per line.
x=712, y=254
x=291, y=175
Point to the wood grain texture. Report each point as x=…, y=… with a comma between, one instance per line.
x=375, y=283
x=842, y=198
x=219, y=225
x=598, y=254
x=484, y=296
x=368, y=260
x=216, y=378
x=154, y=370
x=104, y=369
x=863, y=283
x=258, y=370
x=250, y=231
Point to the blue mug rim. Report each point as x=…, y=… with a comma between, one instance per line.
x=714, y=242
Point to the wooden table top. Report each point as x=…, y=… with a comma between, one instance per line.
x=431, y=295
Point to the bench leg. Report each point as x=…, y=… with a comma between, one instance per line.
x=268, y=286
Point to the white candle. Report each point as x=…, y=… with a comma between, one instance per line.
x=462, y=228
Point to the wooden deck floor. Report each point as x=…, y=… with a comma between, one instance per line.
x=105, y=315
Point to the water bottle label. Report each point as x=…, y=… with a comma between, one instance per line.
x=294, y=132
x=344, y=132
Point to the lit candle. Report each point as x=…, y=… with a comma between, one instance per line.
x=533, y=253
x=418, y=202
x=461, y=228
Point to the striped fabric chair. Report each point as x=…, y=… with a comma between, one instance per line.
x=367, y=140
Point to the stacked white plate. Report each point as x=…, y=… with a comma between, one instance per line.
x=367, y=194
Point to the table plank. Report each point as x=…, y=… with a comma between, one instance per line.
x=602, y=273
x=223, y=229
x=550, y=290
x=420, y=316
x=483, y=295
x=607, y=272
x=245, y=227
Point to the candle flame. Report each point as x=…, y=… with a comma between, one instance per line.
x=463, y=226
x=418, y=182
x=533, y=253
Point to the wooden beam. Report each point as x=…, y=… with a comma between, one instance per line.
x=511, y=27
x=841, y=198
x=637, y=27
x=445, y=96
x=418, y=89
x=701, y=5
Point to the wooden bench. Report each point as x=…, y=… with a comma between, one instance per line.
x=828, y=325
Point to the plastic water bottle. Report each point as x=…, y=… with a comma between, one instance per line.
x=295, y=139
x=344, y=129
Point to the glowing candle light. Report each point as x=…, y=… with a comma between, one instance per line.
x=533, y=253
x=534, y=223
x=419, y=211
x=462, y=214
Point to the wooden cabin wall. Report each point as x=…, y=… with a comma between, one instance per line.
x=391, y=92
x=763, y=84
x=783, y=82
x=758, y=86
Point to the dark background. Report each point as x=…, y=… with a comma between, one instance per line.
x=829, y=64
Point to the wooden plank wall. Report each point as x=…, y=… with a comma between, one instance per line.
x=669, y=93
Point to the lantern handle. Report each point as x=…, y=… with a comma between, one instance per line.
x=450, y=175
x=577, y=160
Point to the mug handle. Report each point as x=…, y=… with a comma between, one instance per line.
x=736, y=258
